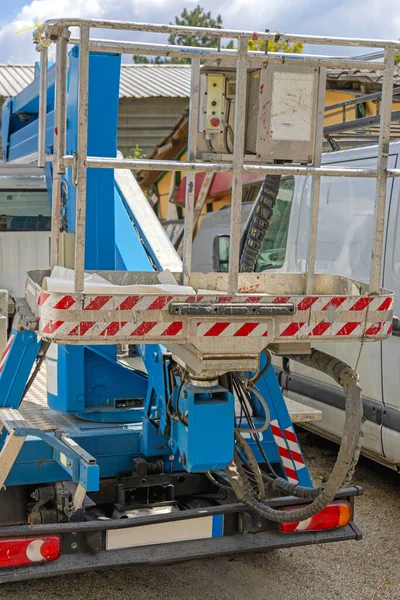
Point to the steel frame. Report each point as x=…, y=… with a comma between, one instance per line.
x=59, y=29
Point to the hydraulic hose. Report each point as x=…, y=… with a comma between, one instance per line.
x=255, y=467
x=258, y=223
x=344, y=375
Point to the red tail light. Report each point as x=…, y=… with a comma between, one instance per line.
x=336, y=514
x=25, y=551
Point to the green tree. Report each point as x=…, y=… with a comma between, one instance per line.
x=193, y=18
x=199, y=18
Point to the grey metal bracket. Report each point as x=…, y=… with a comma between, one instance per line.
x=231, y=310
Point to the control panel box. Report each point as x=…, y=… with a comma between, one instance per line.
x=281, y=112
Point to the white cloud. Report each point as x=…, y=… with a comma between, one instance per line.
x=361, y=18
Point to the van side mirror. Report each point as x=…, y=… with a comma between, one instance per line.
x=221, y=253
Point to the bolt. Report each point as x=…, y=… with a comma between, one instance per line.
x=74, y=545
x=35, y=495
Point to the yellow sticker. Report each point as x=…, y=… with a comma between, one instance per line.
x=63, y=459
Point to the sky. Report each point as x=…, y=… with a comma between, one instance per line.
x=356, y=18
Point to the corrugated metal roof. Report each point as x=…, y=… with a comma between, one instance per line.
x=14, y=78
x=137, y=81
x=155, y=81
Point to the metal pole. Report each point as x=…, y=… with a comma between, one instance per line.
x=55, y=218
x=56, y=189
x=42, y=107
x=237, y=167
x=81, y=159
x=100, y=162
x=224, y=55
x=383, y=152
x=61, y=103
x=190, y=175
x=221, y=33
x=316, y=185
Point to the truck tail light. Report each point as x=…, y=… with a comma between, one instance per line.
x=25, y=551
x=336, y=514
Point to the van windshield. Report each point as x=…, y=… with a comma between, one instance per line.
x=273, y=251
x=24, y=210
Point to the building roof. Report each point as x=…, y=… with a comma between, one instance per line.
x=137, y=80
x=361, y=76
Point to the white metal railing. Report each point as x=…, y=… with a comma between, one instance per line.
x=58, y=30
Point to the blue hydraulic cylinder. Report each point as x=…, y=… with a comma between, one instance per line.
x=203, y=428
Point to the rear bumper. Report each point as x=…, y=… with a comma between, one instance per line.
x=83, y=544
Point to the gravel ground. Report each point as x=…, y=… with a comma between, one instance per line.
x=366, y=570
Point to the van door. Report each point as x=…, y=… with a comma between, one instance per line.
x=390, y=415
x=345, y=234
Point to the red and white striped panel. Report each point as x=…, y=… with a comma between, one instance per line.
x=6, y=351
x=286, y=458
x=227, y=329
x=327, y=303
x=154, y=302
x=111, y=302
x=337, y=329
x=292, y=442
x=115, y=329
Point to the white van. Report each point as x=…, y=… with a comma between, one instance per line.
x=345, y=234
x=25, y=222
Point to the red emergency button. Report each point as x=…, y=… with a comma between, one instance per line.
x=215, y=121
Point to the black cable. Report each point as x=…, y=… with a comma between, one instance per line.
x=226, y=129
x=177, y=416
x=210, y=146
x=181, y=418
x=209, y=476
x=258, y=224
x=239, y=385
x=264, y=370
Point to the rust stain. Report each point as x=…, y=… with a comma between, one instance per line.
x=261, y=88
x=40, y=463
x=249, y=289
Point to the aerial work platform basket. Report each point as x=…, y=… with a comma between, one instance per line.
x=210, y=320
x=226, y=316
